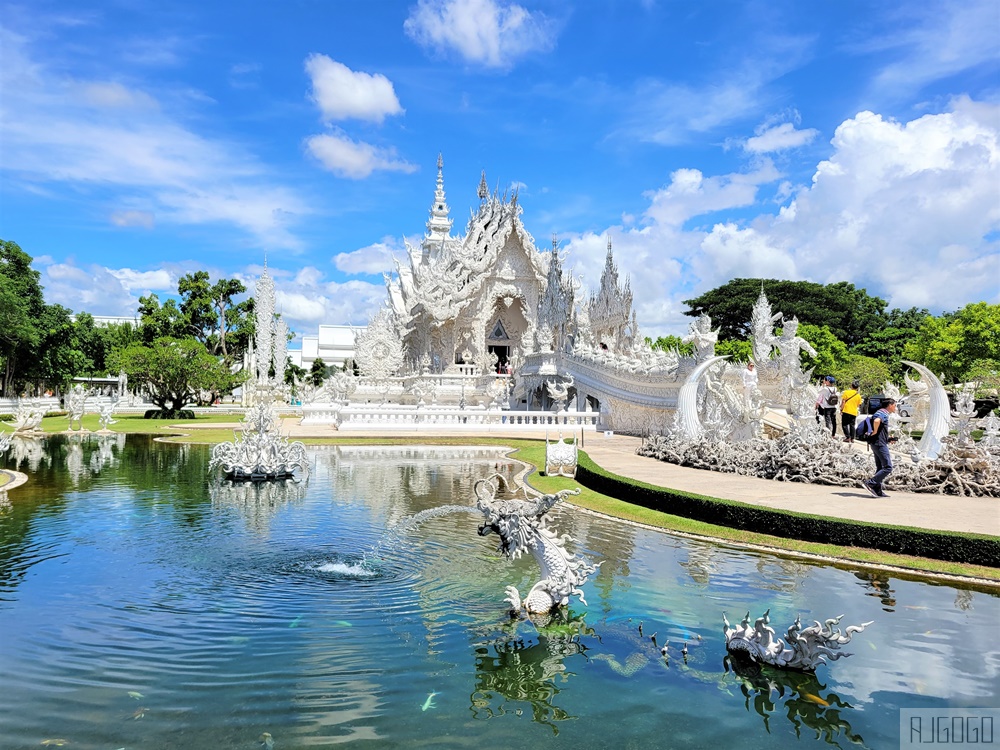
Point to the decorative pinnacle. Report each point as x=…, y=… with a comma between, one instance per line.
x=484, y=190
x=555, y=244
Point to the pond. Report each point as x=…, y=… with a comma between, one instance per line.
x=143, y=605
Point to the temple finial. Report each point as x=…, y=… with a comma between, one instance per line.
x=555, y=244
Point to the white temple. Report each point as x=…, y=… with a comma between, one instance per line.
x=483, y=331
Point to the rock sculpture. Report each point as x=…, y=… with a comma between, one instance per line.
x=560, y=457
x=261, y=454
x=522, y=527
x=802, y=649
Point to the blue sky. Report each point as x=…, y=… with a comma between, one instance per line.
x=853, y=141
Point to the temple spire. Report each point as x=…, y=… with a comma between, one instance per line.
x=439, y=224
x=484, y=190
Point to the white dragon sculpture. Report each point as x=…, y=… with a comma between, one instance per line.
x=802, y=649
x=522, y=527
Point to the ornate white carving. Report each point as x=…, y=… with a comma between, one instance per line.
x=522, y=527
x=261, y=453
x=802, y=649
x=938, y=423
x=105, y=411
x=28, y=416
x=378, y=349
x=76, y=406
x=560, y=457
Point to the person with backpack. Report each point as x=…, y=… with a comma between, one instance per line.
x=827, y=402
x=850, y=402
x=878, y=440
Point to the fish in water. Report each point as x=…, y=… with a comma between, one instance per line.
x=266, y=740
x=342, y=623
x=139, y=713
x=429, y=703
x=295, y=623
x=135, y=694
x=55, y=742
x=815, y=699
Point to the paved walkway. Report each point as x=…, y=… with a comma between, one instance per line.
x=616, y=454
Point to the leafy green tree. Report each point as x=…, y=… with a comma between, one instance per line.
x=158, y=321
x=174, y=371
x=60, y=356
x=21, y=307
x=667, y=343
x=850, y=313
x=737, y=351
x=831, y=353
x=318, y=372
x=294, y=373
x=984, y=374
x=871, y=373
x=950, y=344
x=209, y=310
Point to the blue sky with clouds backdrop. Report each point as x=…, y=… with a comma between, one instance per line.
x=823, y=141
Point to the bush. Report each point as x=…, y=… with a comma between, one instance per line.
x=161, y=414
x=972, y=549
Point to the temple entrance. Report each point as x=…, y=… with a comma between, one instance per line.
x=503, y=356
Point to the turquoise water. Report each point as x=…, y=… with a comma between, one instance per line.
x=144, y=606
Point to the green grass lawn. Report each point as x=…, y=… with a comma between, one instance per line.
x=532, y=452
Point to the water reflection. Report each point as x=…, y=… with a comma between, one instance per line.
x=802, y=698
x=257, y=502
x=878, y=585
x=527, y=669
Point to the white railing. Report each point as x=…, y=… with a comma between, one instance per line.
x=392, y=417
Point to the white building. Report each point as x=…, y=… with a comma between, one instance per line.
x=332, y=344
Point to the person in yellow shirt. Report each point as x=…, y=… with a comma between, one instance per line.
x=850, y=402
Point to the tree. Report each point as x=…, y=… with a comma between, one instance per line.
x=871, y=373
x=831, y=353
x=737, y=351
x=951, y=343
x=174, y=371
x=850, y=313
x=317, y=373
x=209, y=310
x=158, y=321
x=21, y=307
x=666, y=343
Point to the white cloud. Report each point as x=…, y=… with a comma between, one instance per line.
x=374, y=259
x=779, y=138
x=691, y=194
x=62, y=131
x=909, y=211
x=133, y=218
x=93, y=289
x=354, y=159
x=947, y=38
x=145, y=281
x=493, y=33
x=307, y=300
x=341, y=93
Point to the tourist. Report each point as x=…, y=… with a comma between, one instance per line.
x=879, y=443
x=749, y=381
x=850, y=402
x=827, y=402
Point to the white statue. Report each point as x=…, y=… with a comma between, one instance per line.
x=802, y=649
x=521, y=526
x=260, y=453
x=105, y=412
x=700, y=334
x=76, y=406
x=560, y=457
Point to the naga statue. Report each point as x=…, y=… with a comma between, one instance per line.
x=801, y=649
x=522, y=527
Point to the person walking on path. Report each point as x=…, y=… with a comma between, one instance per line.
x=750, y=382
x=879, y=443
x=827, y=402
x=850, y=402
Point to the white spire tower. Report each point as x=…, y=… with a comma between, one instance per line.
x=439, y=225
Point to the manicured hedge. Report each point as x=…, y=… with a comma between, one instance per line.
x=972, y=549
x=161, y=414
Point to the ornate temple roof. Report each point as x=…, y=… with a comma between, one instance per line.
x=445, y=273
